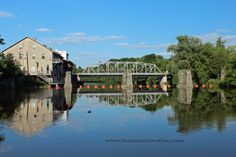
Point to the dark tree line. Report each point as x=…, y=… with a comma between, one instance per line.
x=159, y=60
x=207, y=61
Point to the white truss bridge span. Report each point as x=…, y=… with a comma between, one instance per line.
x=119, y=68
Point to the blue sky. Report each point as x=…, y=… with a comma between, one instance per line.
x=97, y=30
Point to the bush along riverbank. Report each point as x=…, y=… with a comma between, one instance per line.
x=12, y=77
x=21, y=82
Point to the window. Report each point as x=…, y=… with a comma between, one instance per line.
x=33, y=68
x=33, y=56
x=34, y=47
x=47, y=69
x=48, y=104
x=20, y=55
x=20, y=47
x=33, y=104
x=43, y=56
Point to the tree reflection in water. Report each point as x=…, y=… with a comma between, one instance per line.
x=193, y=109
x=205, y=110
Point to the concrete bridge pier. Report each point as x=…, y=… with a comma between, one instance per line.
x=185, y=87
x=163, y=83
x=127, y=81
x=127, y=94
x=68, y=80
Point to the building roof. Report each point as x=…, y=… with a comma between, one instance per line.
x=36, y=42
x=69, y=62
x=16, y=43
x=58, y=54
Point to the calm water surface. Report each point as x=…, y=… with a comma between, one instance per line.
x=82, y=123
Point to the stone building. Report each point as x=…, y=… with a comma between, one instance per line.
x=36, y=59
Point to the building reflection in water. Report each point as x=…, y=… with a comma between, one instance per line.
x=40, y=109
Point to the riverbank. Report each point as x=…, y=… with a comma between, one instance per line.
x=21, y=82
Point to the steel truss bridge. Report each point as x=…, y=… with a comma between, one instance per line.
x=119, y=68
x=129, y=99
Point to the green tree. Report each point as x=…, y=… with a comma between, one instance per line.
x=150, y=58
x=159, y=60
x=124, y=59
x=187, y=55
x=205, y=60
x=186, y=50
x=76, y=69
x=9, y=67
x=1, y=41
x=230, y=78
x=218, y=59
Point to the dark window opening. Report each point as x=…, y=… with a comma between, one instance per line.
x=20, y=56
x=47, y=69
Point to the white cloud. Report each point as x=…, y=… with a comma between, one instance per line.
x=143, y=45
x=43, y=30
x=5, y=14
x=209, y=37
x=228, y=36
x=114, y=37
x=87, y=54
x=230, y=39
x=84, y=58
x=80, y=37
x=164, y=54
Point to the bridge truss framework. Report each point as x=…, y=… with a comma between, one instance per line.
x=135, y=99
x=118, y=68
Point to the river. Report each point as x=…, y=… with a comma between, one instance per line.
x=114, y=123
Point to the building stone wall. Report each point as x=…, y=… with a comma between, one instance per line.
x=33, y=57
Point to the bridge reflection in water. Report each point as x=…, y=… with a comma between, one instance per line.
x=126, y=97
